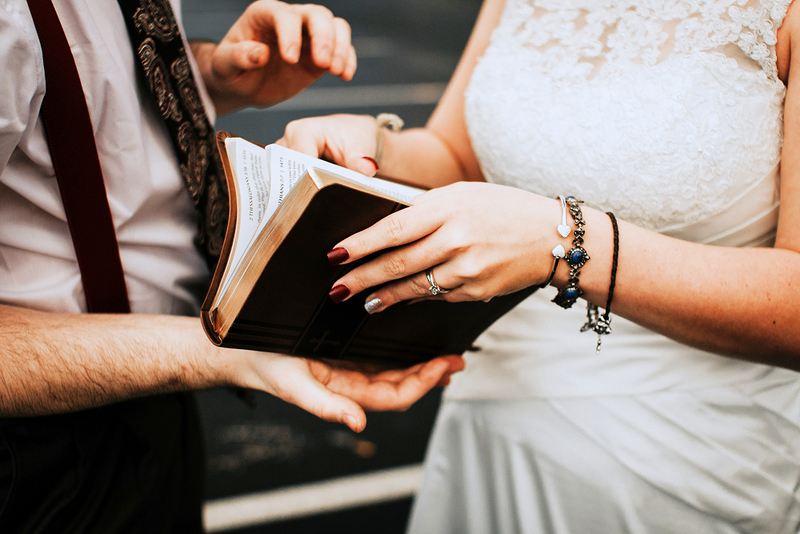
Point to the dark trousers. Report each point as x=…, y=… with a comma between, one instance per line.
x=136, y=466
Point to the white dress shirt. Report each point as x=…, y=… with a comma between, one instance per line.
x=153, y=214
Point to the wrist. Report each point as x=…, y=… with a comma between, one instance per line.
x=577, y=258
x=223, y=99
x=203, y=51
x=200, y=363
x=598, y=241
x=388, y=126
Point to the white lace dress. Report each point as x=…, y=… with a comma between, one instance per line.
x=669, y=114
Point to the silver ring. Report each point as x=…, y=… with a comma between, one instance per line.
x=435, y=289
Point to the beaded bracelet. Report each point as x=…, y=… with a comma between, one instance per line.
x=576, y=258
x=601, y=324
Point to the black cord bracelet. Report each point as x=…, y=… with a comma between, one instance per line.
x=601, y=324
x=614, y=261
x=558, y=253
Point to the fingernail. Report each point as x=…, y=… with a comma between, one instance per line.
x=372, y=160
x=373, y=305
x=255, y=54
x=338, y=255
x=338, y=293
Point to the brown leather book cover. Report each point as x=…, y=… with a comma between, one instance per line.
x=288, y=310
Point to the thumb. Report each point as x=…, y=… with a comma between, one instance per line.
x=231, y=59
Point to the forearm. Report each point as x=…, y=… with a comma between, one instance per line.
x=418, y=156
x=54, y=362
x=442, y=153
x=739, y=302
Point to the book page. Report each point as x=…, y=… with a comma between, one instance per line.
x=286, y=167
x=249, y=163
x=291, y=165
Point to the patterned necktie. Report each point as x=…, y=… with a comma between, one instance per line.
x=158, y=44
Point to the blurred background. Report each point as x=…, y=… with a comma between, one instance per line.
x=273, y=468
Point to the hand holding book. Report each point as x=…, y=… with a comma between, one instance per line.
x=270, y=289
x=452, y=237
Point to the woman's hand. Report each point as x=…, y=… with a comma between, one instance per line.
x=273, y=52
x=481, y=240
x=416, y=156
x=346, y=140
x=341, y=391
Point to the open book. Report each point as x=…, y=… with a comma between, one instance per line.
x=270, y=289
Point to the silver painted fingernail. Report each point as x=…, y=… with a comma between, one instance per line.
x=373, y=305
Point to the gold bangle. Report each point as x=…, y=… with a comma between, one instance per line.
x=391, y=122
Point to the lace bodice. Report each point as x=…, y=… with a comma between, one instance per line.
x=667, y=112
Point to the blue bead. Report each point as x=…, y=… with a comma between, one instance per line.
x=577, y=257
x=571, y=294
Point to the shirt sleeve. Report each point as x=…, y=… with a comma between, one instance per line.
x=22, y=82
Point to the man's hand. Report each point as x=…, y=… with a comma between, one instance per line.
x=341, y=391
x=273, y=52
x=54, y=362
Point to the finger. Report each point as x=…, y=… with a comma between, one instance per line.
x=341, y=46
x=401, y=269
x=398, y=267
x=231, y=59
x=287, y=25
x=413, y=288
x=302, y=136
x=371, y=371
x=352, y=153
x=303, y=390
x=322, y=32
x=388, y=373
x=397, y=374
x=311, y=136
x=400, y=228
x=351, y=64
x=457, y=364
x=363, y=164
x=393, y=395
x=413, y=387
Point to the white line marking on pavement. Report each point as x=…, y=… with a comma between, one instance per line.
x=307, y=499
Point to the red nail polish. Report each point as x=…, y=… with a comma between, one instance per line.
x=338, y=293
x=372, y=160
x=338, y=255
